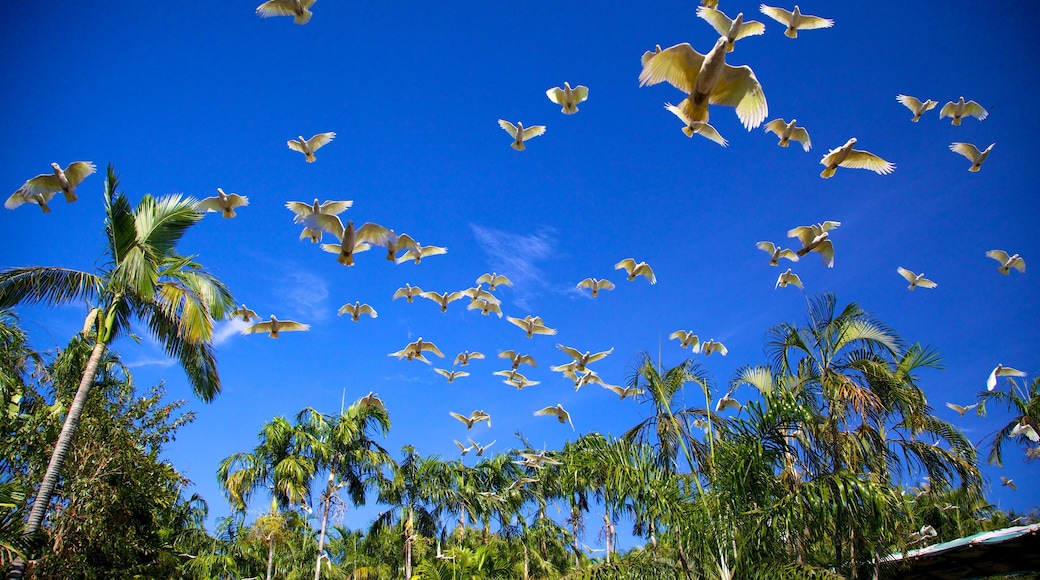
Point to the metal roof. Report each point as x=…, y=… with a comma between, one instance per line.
x=1006, y=551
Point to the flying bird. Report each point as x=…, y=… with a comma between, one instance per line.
x=223, y=203
x=319, y=218
x=686, y=339
x=596, y=285
x=478, y=293
x=275, y=326
x=532, y=325
x=356, y=310
x=418, y=252
x=962, y=109
x=915, y=280
x=245, y=314
x=788, y=131
x=517, y=359
x=972, y=153
x=775, y=252
x=788, y=277
x=624, y=392
x=480, y=448
x=401, y=242
x=485, y=307
x=712, y=346
x=370, y=401
x=536, y=460
x=795, y=21
x=408, y=291
x=583, y=359
x=707, y=79
x=515, y=379
x=1027, y=428
x=20, y=197
x=727, y=402
x=961, y=410
x=567, y=97
x=298, y=9
x=464, y=357
x=1001, y=371
x=451, y=375
x=816, y=238
x=420, y=346
x=523, y=480
x=443, y=299
x=462, y=448
x=633, y=269
x=559, y=412
x=1007, y=262
x=352, y=241
x=733, y=30
x=846, y=156
x=916, y=106
x=493, y=280
x=1008, y=482
x=42, y=185
x=519, y=133
x=309, y=146
x=696, y=127
x=474, y=418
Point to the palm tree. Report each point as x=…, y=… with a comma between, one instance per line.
x=1025, y=405
x=342, y=445
x=143, y=277
x=409, y=493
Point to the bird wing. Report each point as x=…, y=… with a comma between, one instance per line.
x=679, y=65
x=502, y=281
x=826, y=250
x=77, y=171
x=374, y=234
x=999, y=255
x=814, y=22
x=346, y=308
x=911, y=103
x=776, y=127
x=527, y=359
x=800, y=135
x=828, y=225
x=606, y=285
x=298, y=207
x=956, y=407
x=533, y=131
x=291, y=325
x=866, y=160
x=518, y=321
x=948, y=110
x=546, y=411
x=366, y=309
x=431, y=251
x=476, y=355
x=571, y=352
x=767, y=247
x=966, y=149
x=792, y=278
x=926, y=283
x=804, y=234
x=779, y=14
x=336, y=207
x=507, y=354
x=509, y=127
x=647, y=272
x=739, y=88
x=323, y=222
x=446, y=374
x=1010, y=372
x=275, y=8
x=628, y=264
x=235, y=200
x=293, y=143
x=320, y=140
x=259, y=327
x=555, y=95
x=599, y=356
x=789, y=254
x=462, y=418
x=542, y=329
x=430, y=347
x=680, y=334
x=209, y=204
x=910, y=276
x=580, y=94
x=750, y=28
x=484, y=279
x=41, y=184
x=975, y=110
x=719, y=21
x=707, y=131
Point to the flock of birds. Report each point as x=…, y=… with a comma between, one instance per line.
x=705, y=79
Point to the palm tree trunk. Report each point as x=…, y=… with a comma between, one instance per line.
x=270, y=557
x=408, y=548
x=61, y=449
x=326, y=507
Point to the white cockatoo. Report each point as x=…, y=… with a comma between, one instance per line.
x=222, y=202
x=1001, y=371
x=1007, y=262
x=352, y=241
x=559, y=412
x=816, y=238
x=596, y=285
x=517, y=359
x=696, y=127
x=417, y=252
x=846, y=156
x=714, y=346
x=493, y=280
x=972, y=153
x=408, y=291
x=776, y=252
x=727, y=402
x=63, y=180
x=298, y=9
x=451, y=375
x=634, y=269
x=916, y=106
x=519, y=133
x=532, y=325
x=707, y=79
x=567, y=97
x=795, y=21
x=788, y=277
x=583, y=359
x=687, y=339
x=443, y=299
x=788, y=131
x=463, y=358
x=474, y=418
x=915, y=280
x=275, y=326
x=356, y=310
x=21, y=197
x=962, y=109
x=485, y=307
x=309, y=146
x=733, y=30
x=245, y=314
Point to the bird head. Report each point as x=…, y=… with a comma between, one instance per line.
x=566, y=85
x=57, y=167
x=221, y=192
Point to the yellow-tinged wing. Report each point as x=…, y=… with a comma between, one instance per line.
x=679, y=65
x=975, y=110
x=509, y=127
x=907, y=274
x=867, y=160
x=966, y=149
x=41, y=184
x=739, y=88
x=320, y=140
x=533, y=131
x=802, y=136
x=779, y=14
x=719, y=21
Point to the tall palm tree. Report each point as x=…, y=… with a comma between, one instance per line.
x=410, y=494
x=142, y=277
x=1024, y=404
x=343, y=446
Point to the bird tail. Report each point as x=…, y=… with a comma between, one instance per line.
x=311, y=158
x=519, y=145
x=785, y=143
x=570, y=109
x=826, y=173
x=688, y=130
x=70, y=196
x=911, y=287
x=345, y=260
x=974, y=168
x=730, y=46
x=916, y=118
x=303, y=18
x=956, y=121
x=791, y=32
x=229, y=213
x=45, y=208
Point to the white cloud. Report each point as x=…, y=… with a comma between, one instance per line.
x=225, y=330
x=516, y=256
x=306, y=295
x=147, y=362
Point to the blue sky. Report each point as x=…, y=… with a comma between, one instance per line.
x=186, y=101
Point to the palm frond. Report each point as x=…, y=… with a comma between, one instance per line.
x=48, y=285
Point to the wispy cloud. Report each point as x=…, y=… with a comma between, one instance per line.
x=147, y=362
x=225, y=330
x=517, y=256
x=306, y=295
